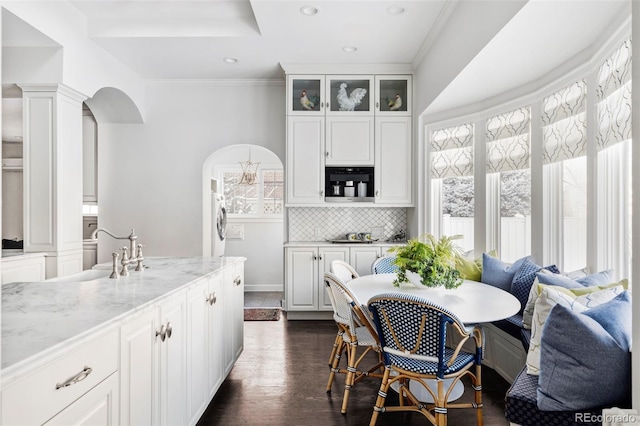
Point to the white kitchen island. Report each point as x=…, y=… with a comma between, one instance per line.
x=149, y=348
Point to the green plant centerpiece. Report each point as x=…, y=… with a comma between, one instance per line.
x=432, y=259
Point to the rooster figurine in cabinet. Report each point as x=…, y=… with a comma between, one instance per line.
x=395, y=103
x=306, y=103
x=350, y=102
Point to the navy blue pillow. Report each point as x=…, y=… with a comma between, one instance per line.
x=524, y=278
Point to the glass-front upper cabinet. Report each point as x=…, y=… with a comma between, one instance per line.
x=306, y=95
x=393, y=95
x=349, y=94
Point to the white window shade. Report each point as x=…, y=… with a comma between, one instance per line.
x=564, y=127
x=614, y=98
x=452, y=152
x=507, y=137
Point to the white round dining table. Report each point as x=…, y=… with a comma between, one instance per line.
x=472, y=302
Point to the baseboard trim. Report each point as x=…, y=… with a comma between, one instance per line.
x=319, y=315
x=263, y=287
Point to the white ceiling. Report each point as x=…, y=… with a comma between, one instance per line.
x=189, y=39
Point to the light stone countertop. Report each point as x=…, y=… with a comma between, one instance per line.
x=40, y=319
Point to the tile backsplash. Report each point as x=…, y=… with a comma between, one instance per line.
x=319, y=224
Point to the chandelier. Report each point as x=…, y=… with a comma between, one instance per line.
x=249, y=172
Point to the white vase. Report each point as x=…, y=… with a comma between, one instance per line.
x=414, y=279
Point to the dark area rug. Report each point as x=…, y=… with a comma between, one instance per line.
x=262, y=314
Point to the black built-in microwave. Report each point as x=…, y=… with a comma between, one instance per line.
x=348, y=184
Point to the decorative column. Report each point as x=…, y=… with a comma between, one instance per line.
x=52, y=122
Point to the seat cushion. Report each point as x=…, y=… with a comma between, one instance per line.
x=512, y=325
x=521, y=406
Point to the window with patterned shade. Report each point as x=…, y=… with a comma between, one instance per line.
x=452, y=186
x=564, y=137
x=507, y=138
x=613, y=142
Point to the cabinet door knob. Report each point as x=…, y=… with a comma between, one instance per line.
x=169, y=330
x=378, y=105
x=162, y=333
x=238, y=281
x=315, y=257
x=377, y=193
x=321, y=193
x=320, y=257
x=326, y=154
x=321, y=105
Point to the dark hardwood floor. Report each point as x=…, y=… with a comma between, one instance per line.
x=280, y=379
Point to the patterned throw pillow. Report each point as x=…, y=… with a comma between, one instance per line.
x=547, y=278
x=549, y=297
x=524, y=278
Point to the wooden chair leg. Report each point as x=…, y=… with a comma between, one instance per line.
x=478, y=394
x=334, y=366
x=352, y=349
x=336, y=344
x=382, y=395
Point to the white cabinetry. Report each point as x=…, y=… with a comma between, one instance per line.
x=68, y=387
x=97, y=407
x=233, y=315
x=305, y=160
x=377, y=132
x=393, y=177
x=89, y=158
x=362, y=258
x=305, y=268
x=205, y=343
x=152, y=353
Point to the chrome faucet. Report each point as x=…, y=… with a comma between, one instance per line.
x=125, y=252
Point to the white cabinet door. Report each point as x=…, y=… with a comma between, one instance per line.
x=173, y=361
x=302, y=278
x=349, y=95
x=99, y=406
x=349, y=141
x=233, y=315
x=197, y=350
x=89, y=159
x=393, y=95
x=305, y=160
x=139, y=370
x=393, y=178
x=326, y=255
x=216, y=334
x=363, y=257
x=305, y=95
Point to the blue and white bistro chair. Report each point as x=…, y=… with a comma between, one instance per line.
x=358, y=339
x=412, y=333
x=384, y=265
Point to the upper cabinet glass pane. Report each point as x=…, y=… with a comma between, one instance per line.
x=350, y=95
x=306, y=95
x=393, y=95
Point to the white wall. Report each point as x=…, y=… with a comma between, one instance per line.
x=151, y=174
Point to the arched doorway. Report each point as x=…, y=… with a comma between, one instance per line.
x=255, y=222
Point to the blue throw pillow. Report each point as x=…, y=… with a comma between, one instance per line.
x=599, y=278
x=498, y=273
x=524, y=278
x=582, y=364
x=558, y=280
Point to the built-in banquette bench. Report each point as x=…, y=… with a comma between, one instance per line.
x=584, y=352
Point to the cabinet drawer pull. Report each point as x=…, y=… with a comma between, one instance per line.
x=162, y=333
x=75, y=379
x=169, y=330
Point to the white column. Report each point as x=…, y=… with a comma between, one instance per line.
x=52, y=141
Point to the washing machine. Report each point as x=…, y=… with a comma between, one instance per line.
x=219, y=224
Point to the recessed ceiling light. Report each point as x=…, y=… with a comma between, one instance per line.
x=395, y=10
x=308, y=10
x=230, y=60
x=349, y=49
